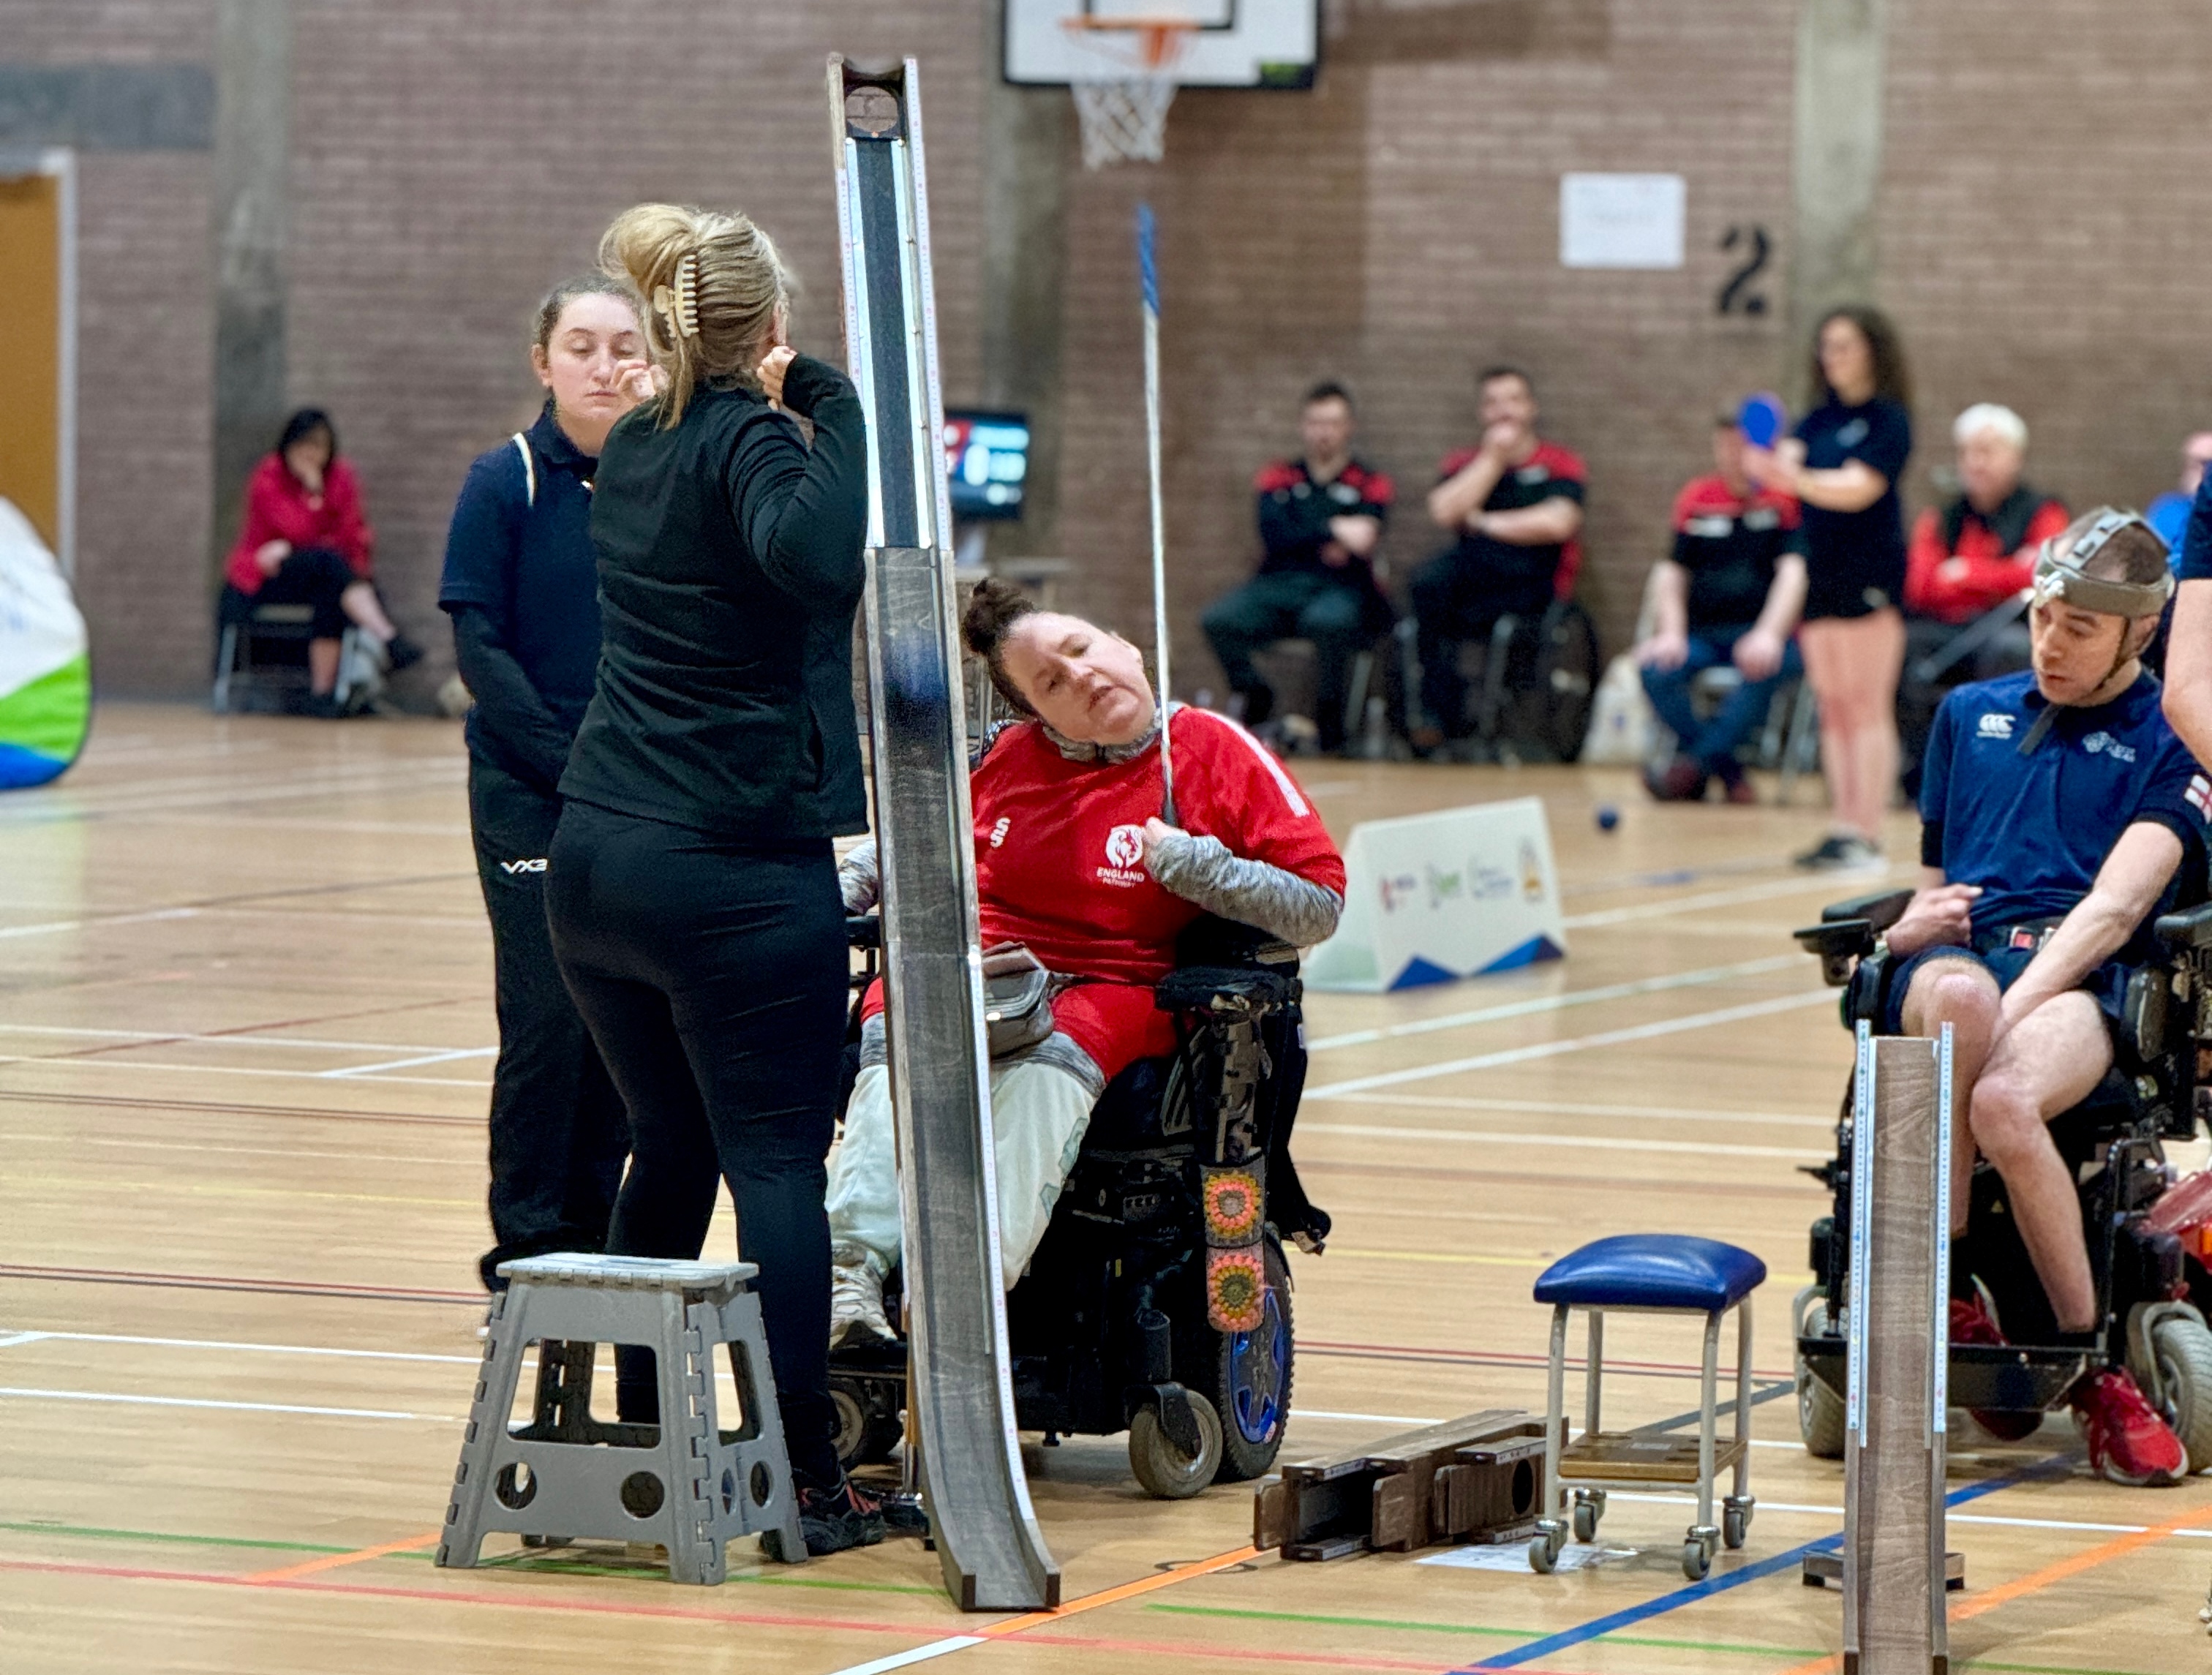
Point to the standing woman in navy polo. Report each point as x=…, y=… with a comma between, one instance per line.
x=692, y=890
x=1843, y=465
x=523, y=591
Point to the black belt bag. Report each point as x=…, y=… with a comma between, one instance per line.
x=2028, y=936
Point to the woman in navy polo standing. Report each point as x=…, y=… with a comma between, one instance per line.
x=1844, y=465
x=522, y=588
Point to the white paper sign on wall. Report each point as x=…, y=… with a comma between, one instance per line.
x=1621, y=220
x=1431, y=898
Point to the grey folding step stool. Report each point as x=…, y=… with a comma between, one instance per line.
x=685, y=1482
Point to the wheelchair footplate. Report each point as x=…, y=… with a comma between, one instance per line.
x=2009, y=1378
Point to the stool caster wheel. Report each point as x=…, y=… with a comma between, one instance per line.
x=1735, y=1520
x=1544, y=1551
x=1698, y=1551
x=1590, y=1507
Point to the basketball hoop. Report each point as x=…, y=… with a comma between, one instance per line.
x=1126, y=85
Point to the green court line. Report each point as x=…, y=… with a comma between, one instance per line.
x=83, y=1533
x=1517, y=1634
x=2040, y=1668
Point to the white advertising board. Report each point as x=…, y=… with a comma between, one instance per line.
x=1432, y=898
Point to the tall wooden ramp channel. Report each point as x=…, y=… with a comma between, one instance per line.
x=1893, y=1572
x=995, y=1558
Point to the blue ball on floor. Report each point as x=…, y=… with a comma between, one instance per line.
x=1607, y=817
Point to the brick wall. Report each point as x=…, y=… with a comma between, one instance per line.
x=1395, y=227
x=146, y=329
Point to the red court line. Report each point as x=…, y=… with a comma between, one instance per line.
x=233, y=1109
x=539, y=1602
x=290, y=1287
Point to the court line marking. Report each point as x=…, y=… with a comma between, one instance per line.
x=2035, y=1582
x=1549, y=1109
x=288, y=1288
x=233, y=1069
x=225, y=1343
x=1641, y=1032
x=1570, y=1142
x=1719, y=898
x=316, y=1566
x=209, y=1189
x=1759, y=1570
x=120, y=1399
x=239, y=1038
x=439, y=1058
x=1556, y=1003
x=96, y=922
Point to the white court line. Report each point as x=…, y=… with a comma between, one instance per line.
x=1516, y=1055
x=96, y=923
x=1570, y=1142
x=234, y=1070
x=354, y=1158
x=1550, y=1108
x=223, y=1343
x=229, y=1407
x=410, y=1063
x=1723, y=898
x=936, y=1649
x=165, y=1036
x=1556, y=1003
x=1948, y=1517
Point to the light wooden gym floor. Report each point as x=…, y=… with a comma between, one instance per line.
x=246, y=1039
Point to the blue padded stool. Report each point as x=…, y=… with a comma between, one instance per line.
x=1650, y=1273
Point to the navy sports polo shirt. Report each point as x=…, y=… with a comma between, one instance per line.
x=2032, y=830
x=528, y=563
x=2196, y=554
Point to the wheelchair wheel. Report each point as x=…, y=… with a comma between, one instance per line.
x=1166, y=1472
x=1820, y=1410
x=1569, y=671
x=2183, y=1349
x=866, y=1434
x=1250, y=1382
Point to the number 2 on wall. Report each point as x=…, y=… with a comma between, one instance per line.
x=1737, y=297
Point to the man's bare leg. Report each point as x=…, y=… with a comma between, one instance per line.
x=2046, y=1065
x=1963, y=994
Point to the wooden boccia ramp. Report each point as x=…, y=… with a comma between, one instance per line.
x=245, y=1034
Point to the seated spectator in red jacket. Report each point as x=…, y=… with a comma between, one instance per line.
x=1975, y=554
x=1321, y=519
x=1514, y=505
x=303, y=540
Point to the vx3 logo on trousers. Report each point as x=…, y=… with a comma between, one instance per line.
x=513, y=867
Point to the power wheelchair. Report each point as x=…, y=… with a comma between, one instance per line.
x=1537, y=686
x=1108, y=1325
x=2148, y=1236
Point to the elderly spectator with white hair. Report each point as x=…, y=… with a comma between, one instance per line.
x=1966, y=559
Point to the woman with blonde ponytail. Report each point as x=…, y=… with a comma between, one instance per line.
x=690, y=886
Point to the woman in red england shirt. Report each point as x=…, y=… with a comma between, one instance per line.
x=303, y=541
x=1073, y=861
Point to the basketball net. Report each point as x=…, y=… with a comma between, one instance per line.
x=1126, y=83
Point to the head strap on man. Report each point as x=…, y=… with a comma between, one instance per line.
x=2059, y=574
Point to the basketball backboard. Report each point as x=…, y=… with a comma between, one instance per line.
x=1235, y=44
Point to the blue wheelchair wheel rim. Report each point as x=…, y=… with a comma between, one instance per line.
x=1258, y=1370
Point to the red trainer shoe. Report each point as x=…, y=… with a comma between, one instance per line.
x=1971, y=1322
x=2128, y=1443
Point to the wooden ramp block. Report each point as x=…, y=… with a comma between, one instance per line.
x=1643, y=1457
x=1473, y=1478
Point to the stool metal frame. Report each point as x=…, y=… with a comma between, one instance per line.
x=1598, y=1461
x=685, y=1482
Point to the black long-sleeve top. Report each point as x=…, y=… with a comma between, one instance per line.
x=729, y=558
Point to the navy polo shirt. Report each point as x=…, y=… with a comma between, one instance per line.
x=528, y=565
x=2196, y=554
x=2032, y=830
x=1855, y=562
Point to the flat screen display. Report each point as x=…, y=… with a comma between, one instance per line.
x=987, y=460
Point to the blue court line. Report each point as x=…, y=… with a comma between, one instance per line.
x=1750, y=1573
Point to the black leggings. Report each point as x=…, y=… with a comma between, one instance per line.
x=713, y=978
x=314, y=576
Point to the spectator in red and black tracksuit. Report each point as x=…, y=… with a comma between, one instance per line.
x=1321, y=517
x=1516, y=503
x=1975, y=554
x=1730, y=593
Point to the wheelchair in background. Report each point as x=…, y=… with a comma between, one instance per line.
x=2148, y=1235
x=1108, y=1326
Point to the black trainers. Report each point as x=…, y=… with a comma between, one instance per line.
x=1839, y=853
x=402, y=652
x=831, y=1520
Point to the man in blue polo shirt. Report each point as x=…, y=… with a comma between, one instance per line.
x=2057, y=810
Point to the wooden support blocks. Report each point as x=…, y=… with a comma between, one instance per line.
x=1476, y=1479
